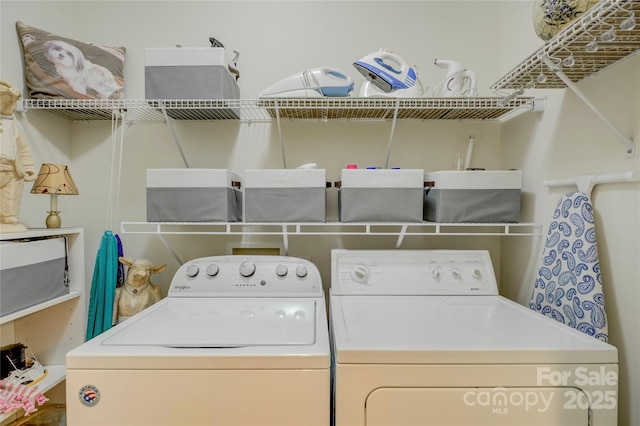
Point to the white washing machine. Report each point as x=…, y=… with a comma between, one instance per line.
x=423, y=338
x=238, y=341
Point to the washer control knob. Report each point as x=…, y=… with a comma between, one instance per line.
x=281, y=270
x=192, y=270
x=301, y=271
x=435, y=273
x=247, y=268
x=477, y=274
x=360, y=273
x=456, y=273
x=212, y=270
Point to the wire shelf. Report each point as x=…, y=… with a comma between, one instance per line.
x=266, y=109
x=573, y=41
x=397, y=229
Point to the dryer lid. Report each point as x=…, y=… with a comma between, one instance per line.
x=455, y=330
x=220, y=323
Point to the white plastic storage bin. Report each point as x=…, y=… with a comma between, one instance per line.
x=380, y=195
x=285, y=195
x=189, y=73
x=33, y=271
x=193, y=195
x=473, y=196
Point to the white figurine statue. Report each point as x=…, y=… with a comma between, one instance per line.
x=16, y=164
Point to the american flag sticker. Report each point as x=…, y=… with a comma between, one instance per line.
x=89, y=395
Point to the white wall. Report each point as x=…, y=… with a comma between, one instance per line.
x=277, y=39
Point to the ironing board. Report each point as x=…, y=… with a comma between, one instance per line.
x=568, y=287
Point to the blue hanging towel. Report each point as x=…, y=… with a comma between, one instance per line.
x=103, y=286
x=568, y=287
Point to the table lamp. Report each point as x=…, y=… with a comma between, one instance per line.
x=54, y=180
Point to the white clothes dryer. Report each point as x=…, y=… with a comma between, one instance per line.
x=239, y=340
x=421, y=337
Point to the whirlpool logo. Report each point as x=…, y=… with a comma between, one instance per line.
x=182, y=287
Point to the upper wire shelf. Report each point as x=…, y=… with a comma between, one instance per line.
x=266, y=109
x=584, y=42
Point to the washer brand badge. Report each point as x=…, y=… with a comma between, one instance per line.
x=89, y=395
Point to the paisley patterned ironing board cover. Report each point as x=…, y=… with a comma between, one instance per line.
x=568, y=287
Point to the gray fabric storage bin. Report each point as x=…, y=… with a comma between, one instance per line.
x=193, y=195
x=381, y=195
x=476, y=196
x=32, y=272
x=190, y=73
x=285, y=195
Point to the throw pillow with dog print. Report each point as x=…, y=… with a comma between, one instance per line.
x=60, y=67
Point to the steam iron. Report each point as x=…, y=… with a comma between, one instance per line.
x=459, y=81
x=388, y=75
x=312, y=83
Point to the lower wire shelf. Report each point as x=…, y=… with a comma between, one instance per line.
x=400, y=230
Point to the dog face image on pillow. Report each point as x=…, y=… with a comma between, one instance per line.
x=60, y=67
x=80, y=73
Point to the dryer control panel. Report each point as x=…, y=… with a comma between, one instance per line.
x=412, y=272
x=250, y=276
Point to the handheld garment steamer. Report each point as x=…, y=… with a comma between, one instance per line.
x=458, y=82
x=388, y=75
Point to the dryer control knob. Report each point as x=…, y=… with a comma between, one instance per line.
x=192, y=270
x=281, y=270
x=435, y=273
x=301, y=271
x=477, y=274
x=360, y=273
x=247, y=268
x=456, y=273
x=212, y=270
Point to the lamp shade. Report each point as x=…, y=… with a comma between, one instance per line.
x=54, y=179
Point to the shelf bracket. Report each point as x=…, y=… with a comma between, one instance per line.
x=167, y=120
x=168, y=246
x=284, y=160
x=403, y=232
x=555, y=68
x=393, y=130
x=285, y=239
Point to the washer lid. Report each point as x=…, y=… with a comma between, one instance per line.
x=455, y=330
x=220, y=323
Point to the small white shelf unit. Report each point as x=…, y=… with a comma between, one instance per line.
x=52, y=328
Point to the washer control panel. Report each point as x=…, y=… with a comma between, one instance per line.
x=412, y=272
x=250, y=276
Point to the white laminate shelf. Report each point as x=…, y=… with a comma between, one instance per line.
x=482, y=108
x=39, y=307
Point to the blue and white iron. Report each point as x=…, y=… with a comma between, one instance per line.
x=312, y=83
x=388, y=75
